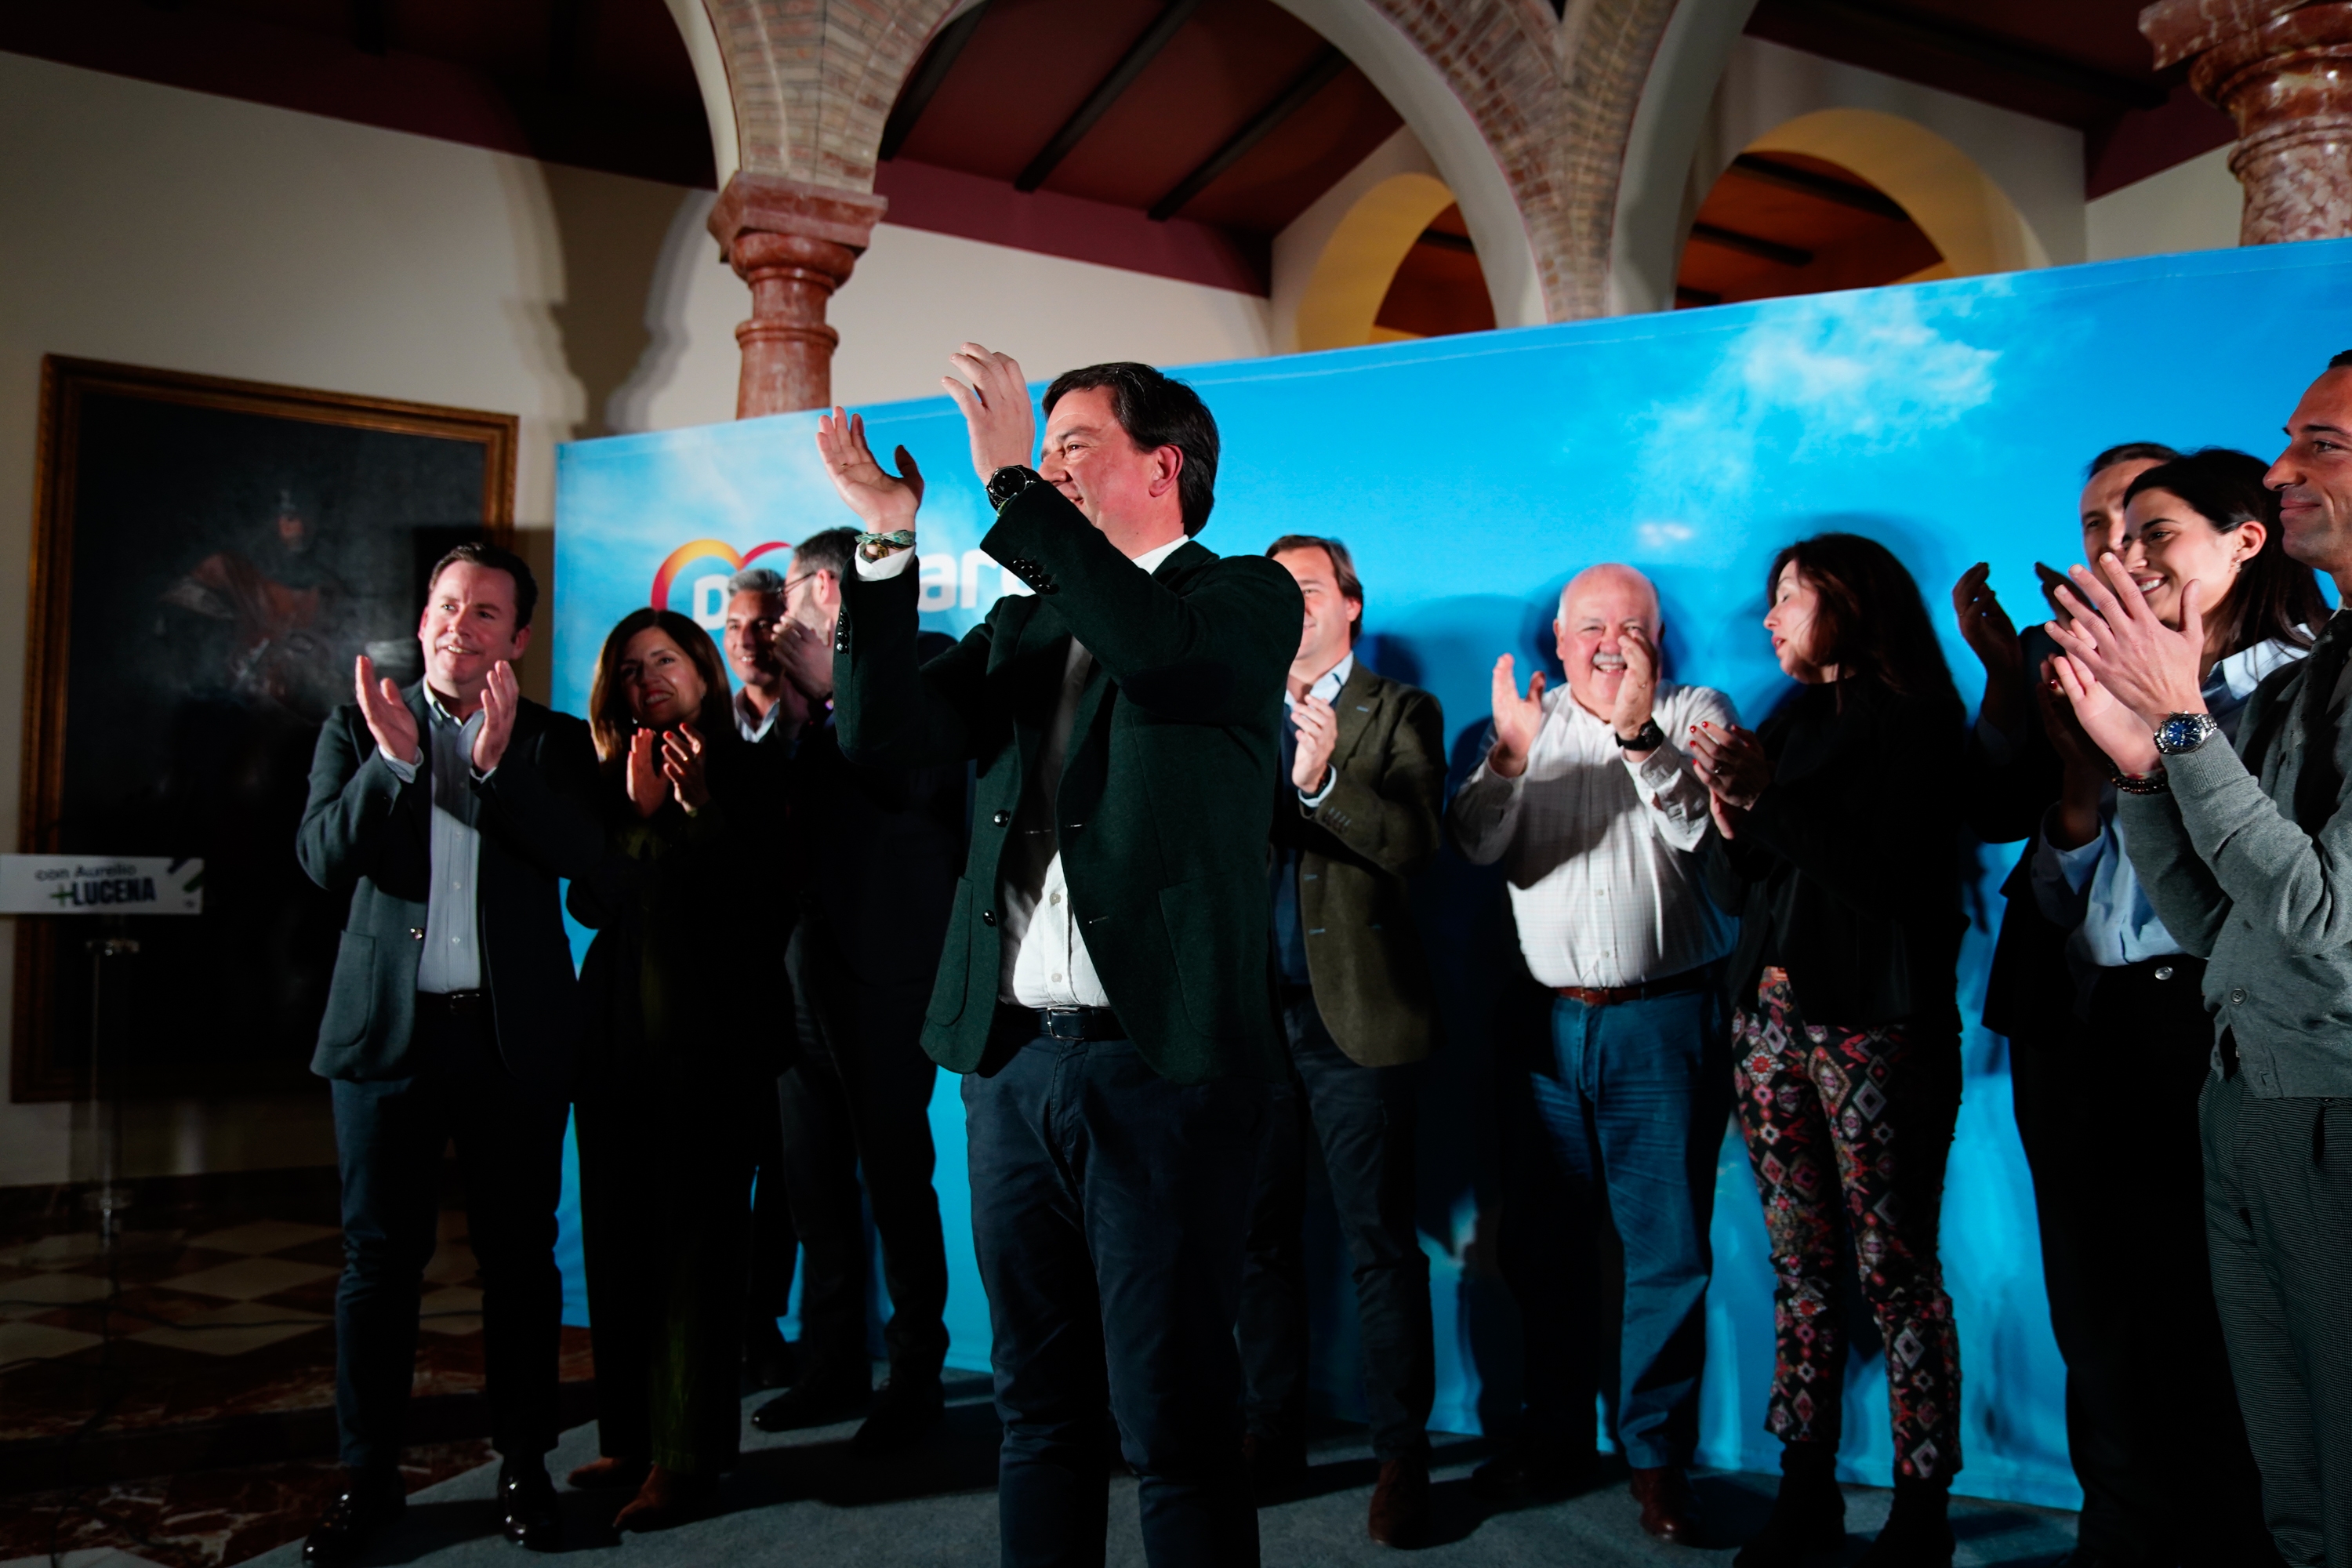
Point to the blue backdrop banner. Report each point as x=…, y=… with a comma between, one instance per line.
x=1472, y=476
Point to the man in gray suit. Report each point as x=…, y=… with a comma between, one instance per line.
x=450, y=812
x=2247, y=855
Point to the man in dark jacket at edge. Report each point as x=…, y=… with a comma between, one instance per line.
x=1106, y=983
x=450, y=811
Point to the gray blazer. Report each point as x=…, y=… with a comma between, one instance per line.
x=365, y=831
x=2248, y=858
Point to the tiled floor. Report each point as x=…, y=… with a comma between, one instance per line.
x=207, y=1335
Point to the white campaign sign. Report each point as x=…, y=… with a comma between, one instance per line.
x=100, y=885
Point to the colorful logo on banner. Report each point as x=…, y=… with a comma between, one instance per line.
x=706, y=594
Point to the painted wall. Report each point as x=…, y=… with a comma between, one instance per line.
x=2190, y=207
x=157, y=227
x=2037, y=164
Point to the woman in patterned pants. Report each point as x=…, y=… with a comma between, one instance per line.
x=1839, y=819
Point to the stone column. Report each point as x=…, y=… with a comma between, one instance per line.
x=2283, y=69
x=795, y=244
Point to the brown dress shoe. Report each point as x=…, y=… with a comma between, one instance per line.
x=667, y=1499
x=1399, y=1515
x=608, y=1475
x=1664, y=1495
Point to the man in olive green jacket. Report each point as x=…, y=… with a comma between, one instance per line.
x=1106, y=981
x=1356, y=813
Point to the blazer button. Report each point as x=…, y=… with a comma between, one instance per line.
x=988, y=917
x=415, y=934
x=1000, y=818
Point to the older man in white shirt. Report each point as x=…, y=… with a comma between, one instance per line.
x=1589, y=803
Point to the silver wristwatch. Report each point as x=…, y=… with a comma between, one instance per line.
x=2185, y=732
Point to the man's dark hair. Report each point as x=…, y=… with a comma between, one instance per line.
x=482, y=552
x=1157, y=411
x=2129, y=452
x=2273, y=596
x=833, y=551
x=1343, y=571
x=1870, y=615
x=2340, y=360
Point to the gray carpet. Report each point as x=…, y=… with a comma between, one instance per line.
x=801, y=1500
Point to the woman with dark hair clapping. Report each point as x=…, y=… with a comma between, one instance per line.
x=1838, y=823
x=682, y=1043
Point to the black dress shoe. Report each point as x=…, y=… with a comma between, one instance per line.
x=904, y=1408
x=526, y=1509
x=366, y=1505
x=814, y=1401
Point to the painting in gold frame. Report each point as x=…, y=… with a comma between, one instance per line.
x=209, y=557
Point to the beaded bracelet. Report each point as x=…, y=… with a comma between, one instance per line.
x=2138, y=783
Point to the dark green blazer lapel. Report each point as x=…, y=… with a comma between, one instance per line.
x=1093, y=700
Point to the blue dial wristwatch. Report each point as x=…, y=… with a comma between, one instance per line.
x=2185, y=732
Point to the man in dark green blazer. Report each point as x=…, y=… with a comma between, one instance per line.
x=450, y=812
x=1357, y=811
x=1105, y=982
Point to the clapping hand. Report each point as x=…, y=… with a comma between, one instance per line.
x=2128, y=740
x=885, y=503
x=1986, y=628
x=1516, y=719
x=995, y=408
x=1319, y=735
x=388, y=718
x=1731, y=763
x=2116, y=639
x=501, y=698
x=1637, y=689
x=682, y=751
x=642, y=777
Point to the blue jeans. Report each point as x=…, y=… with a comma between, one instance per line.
x=1108, y=1208
x=1633, y=1099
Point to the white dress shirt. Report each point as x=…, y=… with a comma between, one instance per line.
x=1602, y=852
x=750, y=723
x=1045, y=962
x=452, y=959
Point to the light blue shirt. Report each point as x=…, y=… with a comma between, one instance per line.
x=452, y=959
x=1328, y=689
x=2092, y=891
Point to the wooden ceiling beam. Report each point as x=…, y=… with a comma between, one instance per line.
x=1318, y=75
x=1750, y=245
x=1822, y=187
x=927, y=80
x=1106, y=92
x=1955, y=41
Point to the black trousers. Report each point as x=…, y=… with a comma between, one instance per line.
x=389, y=1138
x=2108, y=1112
x=775, y=1243
x=857, y=1102
x=1363, y=1121
x=1107, y=1207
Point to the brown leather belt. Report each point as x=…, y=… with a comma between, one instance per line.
x=1698, y=979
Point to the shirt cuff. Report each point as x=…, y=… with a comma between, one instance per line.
x=882, y=571
x=2070, y=869
x=404, y=772
x=1330, y=783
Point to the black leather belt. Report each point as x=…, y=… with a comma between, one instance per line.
x=452, y=1001
x=1059, y=1023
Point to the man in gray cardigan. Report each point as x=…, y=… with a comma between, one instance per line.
x=2247, y=855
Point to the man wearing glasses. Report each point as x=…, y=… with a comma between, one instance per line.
x=881, y=847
